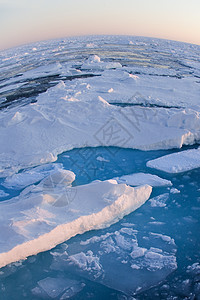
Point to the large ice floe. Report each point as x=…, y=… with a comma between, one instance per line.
x=45, y=215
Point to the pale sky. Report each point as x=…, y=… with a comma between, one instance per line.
x=24, y=21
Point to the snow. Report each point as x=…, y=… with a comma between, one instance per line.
x=177, y=162
x=137, y=179
x=51, y=212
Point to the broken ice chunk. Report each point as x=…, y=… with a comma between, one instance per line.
x=159, y=201
x=28, y=177
x=54, y=287
x=120, y=260
x=177, y=162
x=137, y=179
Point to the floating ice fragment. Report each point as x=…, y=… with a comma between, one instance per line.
x=165, y=238
x=100, y=158
x=137, y=179
x=3, y=194
x=177, y=162
x=73, y=290
x=138, y=252
x=54, y=287
x=120, y=260
x=87, y=262
x=174, y=191
x=28, y=177
x=159, y=201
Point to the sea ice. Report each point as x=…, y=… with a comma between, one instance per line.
x=137, y=179
x=94, y=63
x=135, y=101
x=61, y=120
x=119, y=260
x=28, y=177
x=3, y=194
x=177, y=162
x=159, y=201
x=51, y=212
x=55, y=287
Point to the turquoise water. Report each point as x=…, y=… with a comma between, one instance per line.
x=178, y=219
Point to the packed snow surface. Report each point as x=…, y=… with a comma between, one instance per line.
x=177, y=162
x=47, y=214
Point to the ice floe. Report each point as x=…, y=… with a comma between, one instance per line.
x=28, y=177
x=63, y=288
x=119, y=259
x=159, y=201
x=51, y=212
x=3, y=194
x=137, y=179
x=177, y=162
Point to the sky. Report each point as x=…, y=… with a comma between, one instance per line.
x=25, y=21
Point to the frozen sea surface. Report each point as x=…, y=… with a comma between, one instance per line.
x=102, y=108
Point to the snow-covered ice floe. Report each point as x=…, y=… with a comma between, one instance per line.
x=49, y=213
x=177, y=162
x=137, y=179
